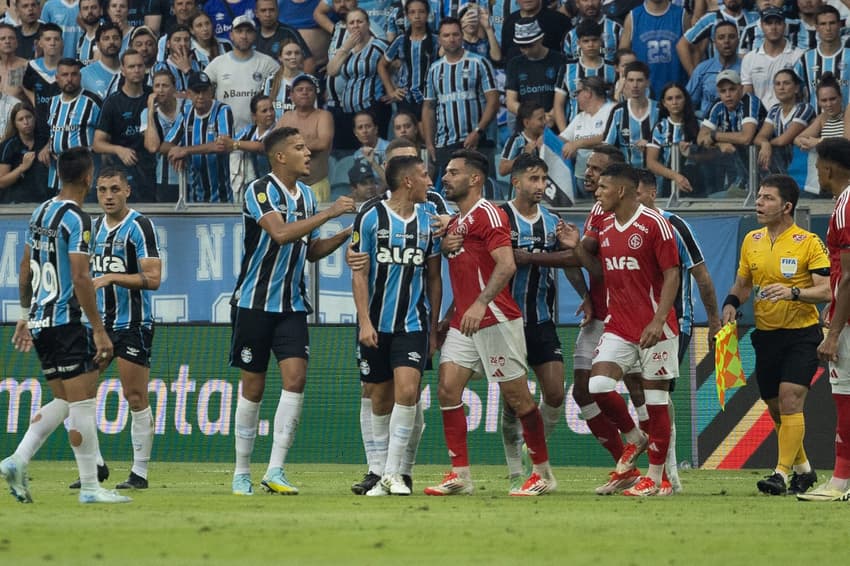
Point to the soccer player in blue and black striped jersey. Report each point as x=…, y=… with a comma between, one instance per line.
x=281, y=228
x=55, y=288
x=533, y=287
x=196, y=143
x=394, y=295
x=127, y=268
x=74, y=114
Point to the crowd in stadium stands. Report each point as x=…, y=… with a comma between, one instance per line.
x=164, y=88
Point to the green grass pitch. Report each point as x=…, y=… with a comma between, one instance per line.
x=188, y=516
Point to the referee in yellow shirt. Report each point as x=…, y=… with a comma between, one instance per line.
x=787, y=270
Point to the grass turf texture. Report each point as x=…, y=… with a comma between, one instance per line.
x=188, y=516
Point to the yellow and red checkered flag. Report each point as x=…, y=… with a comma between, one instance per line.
x=727, y=361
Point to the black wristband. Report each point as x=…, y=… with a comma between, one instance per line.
x=733, y=301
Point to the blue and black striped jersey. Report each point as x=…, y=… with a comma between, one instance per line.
x=119, y=249
x=363, y=86
x=209, y=173
x=457, y=91
x=690, y=255
x=813, y=64
x=570, y=77
x=610, y=40
x=533, y=287
x=57, y=228
x=398, y=250
x=624, y=130
x=71, y=123
x=415, y=56
x=272, y=275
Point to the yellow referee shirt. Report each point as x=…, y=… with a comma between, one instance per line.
x=788, y=261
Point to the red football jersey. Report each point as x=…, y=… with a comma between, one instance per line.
x=484, y=228
x=838, y=241
x=634, y=257
x=592, y=226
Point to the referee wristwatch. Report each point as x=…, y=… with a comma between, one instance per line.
x=795, y=293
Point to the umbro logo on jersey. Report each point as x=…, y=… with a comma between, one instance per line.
x=414, y=356
x=132, y=351
x=662, y=372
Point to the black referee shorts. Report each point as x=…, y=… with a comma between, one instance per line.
x=785, y=355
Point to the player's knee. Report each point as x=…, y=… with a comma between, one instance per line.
x=599, y=384
x=136, y=400
x=554, y=397
x=656, y=397
x=448, y=395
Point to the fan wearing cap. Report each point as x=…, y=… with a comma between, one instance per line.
x=702, y=86
x=589, y=64
x=553, y=23
x=238, y=76
x=317, y=128
x=830, y=56
x=363, y=183
x=196, y=144
x=760, y=66
x=731, y=124
x=224, y=13
x=531, y=75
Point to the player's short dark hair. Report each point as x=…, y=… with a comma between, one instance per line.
x=724, y=24
x=105, y=27
x=69, y=62
x=130, y=51
x=277, y=136
x=636, y=67
x=646, y=177
x=613, y=153
x=526, y=161
x=789, y=190
x=50, y=26
x=835, y=150
x=526, y=109
x=74, y=163
x=178, y=28
x=588, y=28
x=623, y=172
x=108, y=171
x=474, y=159
x=397, y=168
x=448, y=22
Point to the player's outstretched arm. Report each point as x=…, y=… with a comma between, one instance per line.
x=286, y=232
x=322, y=247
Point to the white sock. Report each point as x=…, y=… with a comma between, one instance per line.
x=642, y=413
x=803, y=468
x=551, y=416
x=672, y=464
x=655, y=472
x=589, y=411
x=381, y=435
x=839, y=484
x=633, y=436
x=285, y=424
x=409, y=458
x=82, y=415
x=512, y=442
x=141, y=434
x=543, y=470
x=247, y=417
x=366, y=431
x=463, y=472
x=44, y=422
x=401, y=428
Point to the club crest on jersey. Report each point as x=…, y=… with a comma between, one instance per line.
x=635, y=241
x=364, y=367
x=798, y=237
x=246, y=355
x=498, y=361
x=788, y=266
x=758, y=236
x=257, y=76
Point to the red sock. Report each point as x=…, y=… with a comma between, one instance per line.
x=659, y=433
x=535, y=437
x=842, y=436
x=607, y=435
x=614, y=407
x=454, y=429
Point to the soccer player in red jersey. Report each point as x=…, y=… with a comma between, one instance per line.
x=640, y=262
x=833, y=167
x=486, y=331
